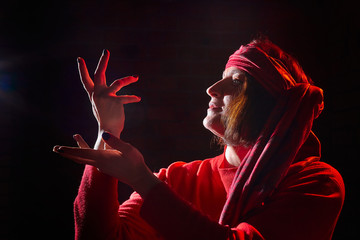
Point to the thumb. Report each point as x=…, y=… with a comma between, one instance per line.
x=116, y=143
x=80, y=141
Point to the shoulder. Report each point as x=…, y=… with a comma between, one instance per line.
x=315, y=178
x=307, y=203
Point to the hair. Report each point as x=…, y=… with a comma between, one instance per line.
x=252, y=105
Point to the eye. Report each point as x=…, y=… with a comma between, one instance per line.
x=236, y=82
x=237, y=79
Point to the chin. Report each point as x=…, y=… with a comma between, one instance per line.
x=214, y=125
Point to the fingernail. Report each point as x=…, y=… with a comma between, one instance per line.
x=106, y=135
x=78, y=59
x=58, y=149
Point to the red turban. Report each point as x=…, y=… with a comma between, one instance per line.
x=287, y=128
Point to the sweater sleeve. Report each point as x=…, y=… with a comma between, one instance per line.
x=96, y=205
x=174, y=218
x=98, y=214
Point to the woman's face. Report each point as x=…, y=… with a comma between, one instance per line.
x=221, y=93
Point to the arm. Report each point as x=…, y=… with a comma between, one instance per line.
x=164, y=210
x=176, y=219
x=96, y=205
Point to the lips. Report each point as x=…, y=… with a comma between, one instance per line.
x=215, y=107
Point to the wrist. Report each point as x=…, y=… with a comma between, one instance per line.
x=116, y=131
x=100, y=144
x=145, y=183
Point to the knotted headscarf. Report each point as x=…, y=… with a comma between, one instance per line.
x=289, y=125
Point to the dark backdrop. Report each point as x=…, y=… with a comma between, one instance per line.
x=178, y=48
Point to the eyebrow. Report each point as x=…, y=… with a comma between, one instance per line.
x=231, y=72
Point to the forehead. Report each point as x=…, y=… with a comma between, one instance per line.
x=232, y=71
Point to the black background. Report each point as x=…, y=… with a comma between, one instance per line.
x=178, y=48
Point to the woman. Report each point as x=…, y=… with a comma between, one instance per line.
x=268, y=183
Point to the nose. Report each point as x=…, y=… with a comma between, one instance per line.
x=214, y=90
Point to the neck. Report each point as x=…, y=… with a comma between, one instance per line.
x=235, y=154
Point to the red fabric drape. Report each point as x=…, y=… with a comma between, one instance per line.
x=285, y=131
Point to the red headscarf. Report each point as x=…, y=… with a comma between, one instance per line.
x=287, y=128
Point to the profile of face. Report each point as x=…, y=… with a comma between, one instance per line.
x=222, y=92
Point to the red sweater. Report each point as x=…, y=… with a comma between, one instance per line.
x=306, y=205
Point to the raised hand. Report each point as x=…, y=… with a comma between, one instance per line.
x=108, y=108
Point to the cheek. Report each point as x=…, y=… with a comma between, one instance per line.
x=227, y=101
